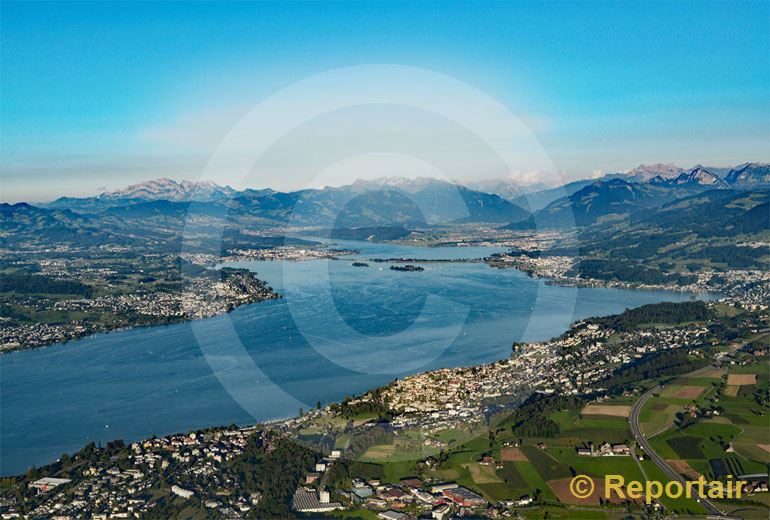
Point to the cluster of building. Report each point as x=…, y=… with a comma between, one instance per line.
x=182, y=465
x=550, y=267
x=748, y=287
x=481, y=235
x=577, y=362
x=445, y=398
x=291, y=253
x=199, y=297
x=605, y=450
x=25, y=335
x=405, y=500
x=313, y=496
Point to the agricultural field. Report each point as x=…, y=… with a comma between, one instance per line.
x=657, y=417
x=660, y=412
x=684, y=392
x=512, y=454
x=606, y=409
x=682, y=505
x=732, y=439
x=741, y=379
x=527, y=469
x=743, y=411
x=595, y=423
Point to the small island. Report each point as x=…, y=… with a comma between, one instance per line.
x=407, y=267
x=360, y=264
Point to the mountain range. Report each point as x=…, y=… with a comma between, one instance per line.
x=164, y=206
x=416, y=202
x=616, y=196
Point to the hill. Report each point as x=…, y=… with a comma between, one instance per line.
x=539, y=199
x=26, y=224
x=598, y=202
x=721, y=229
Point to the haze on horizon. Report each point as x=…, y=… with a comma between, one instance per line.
x=99, y=96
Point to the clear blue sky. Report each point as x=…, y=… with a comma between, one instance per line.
x=603, y=85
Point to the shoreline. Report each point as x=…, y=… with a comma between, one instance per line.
x=531, y=273
x=86, y=335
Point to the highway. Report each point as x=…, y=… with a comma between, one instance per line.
x=659, y=461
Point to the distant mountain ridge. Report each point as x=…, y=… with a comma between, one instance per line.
x=507, y=188
x=647, y=172
x=614, y=199
x=380, y=202
x=745, y=176
x=698, y=176
x=601, y=200
x=421, y=201
x=617, y=195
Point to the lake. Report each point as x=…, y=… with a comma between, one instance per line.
x=338, y=331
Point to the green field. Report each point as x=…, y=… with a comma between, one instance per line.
x=523, y=479
x=577, y=429
x=725, y=444
x=548, y=467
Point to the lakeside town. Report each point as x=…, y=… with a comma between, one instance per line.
x=747, y=286
x=196, y=297
x=55, y=296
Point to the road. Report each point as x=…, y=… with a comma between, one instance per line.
x=657, y=459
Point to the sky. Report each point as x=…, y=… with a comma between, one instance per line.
x=97, y=96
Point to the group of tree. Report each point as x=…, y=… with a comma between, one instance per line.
x=40, y=284
x=664, y=313
x=275, y=473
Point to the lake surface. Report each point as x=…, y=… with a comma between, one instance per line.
x=340, y=330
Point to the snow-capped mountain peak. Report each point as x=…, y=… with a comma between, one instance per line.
x=169, y=189
x=647, y=172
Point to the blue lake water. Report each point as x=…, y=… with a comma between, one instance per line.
x=339, y=331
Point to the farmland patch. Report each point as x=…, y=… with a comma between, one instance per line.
x=686, y=447
x=607, y=409
x=742, y=379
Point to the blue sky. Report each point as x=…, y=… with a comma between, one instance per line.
x=95, y=95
